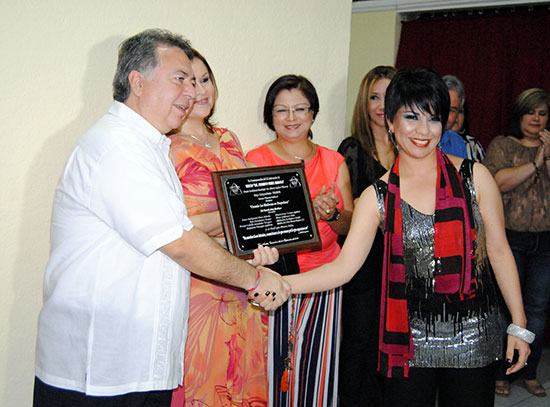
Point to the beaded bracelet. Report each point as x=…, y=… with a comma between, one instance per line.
x=521, y=333
x=258, y=278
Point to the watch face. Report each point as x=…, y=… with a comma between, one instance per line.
x=336, y=216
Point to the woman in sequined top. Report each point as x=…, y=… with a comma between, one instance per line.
x=443, y=222
x=520, y=164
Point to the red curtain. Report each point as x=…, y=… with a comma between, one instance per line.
x=495, y=56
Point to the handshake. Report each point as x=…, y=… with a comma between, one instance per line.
x=270, y=290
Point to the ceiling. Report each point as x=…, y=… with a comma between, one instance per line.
x=406, y=6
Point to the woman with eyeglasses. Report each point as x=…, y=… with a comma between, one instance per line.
x=443, y=229
x=225, y=353
x=474, y=149
x=304, y=333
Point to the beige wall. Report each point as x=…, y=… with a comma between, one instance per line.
x=374, y=40
x=58, y=59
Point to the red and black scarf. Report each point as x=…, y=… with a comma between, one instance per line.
x=454, y=257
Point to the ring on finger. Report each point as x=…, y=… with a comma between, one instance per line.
x=327, y=211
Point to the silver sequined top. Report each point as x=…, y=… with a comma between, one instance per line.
x=458, y=334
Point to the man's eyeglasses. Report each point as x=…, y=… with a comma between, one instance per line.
x=281, y=112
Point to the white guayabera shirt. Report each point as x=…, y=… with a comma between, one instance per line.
x=114, y=318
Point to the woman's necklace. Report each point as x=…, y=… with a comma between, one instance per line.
x=297, y=157
x=205, y=143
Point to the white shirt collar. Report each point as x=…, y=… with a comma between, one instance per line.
x=135, y=120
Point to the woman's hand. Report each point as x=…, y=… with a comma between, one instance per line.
x=264, y=255
x=325, y=203
x=271, y=290
x=544, y=137
x=539, y=158
x=523, y=351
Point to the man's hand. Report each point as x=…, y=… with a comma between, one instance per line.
x=272, y=291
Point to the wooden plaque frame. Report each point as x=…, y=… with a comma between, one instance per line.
x=266, y=205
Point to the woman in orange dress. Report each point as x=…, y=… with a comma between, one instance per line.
x=226, y=349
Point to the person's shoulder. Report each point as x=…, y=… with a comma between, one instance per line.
x=502, y=138
x=453, y=143
x=371, y=194
x=380, y=188
x=482, y=177
x=352, y=149
x=480, y=168
x=223, y=130
x=115, y=135
x=329, y=154
x=259, y=154
x=453, y=136
x=348, y=143
x=225, y=133
x=105, y=135
x=328, y=151
x=258, y=150
x=503, y=141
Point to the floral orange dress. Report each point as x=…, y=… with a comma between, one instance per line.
x=226, y=349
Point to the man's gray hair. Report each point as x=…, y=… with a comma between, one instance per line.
x=453, y=83
x=139, y=53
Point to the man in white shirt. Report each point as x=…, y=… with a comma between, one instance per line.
x=114, y=321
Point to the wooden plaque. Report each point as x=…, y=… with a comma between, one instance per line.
x=266, y=205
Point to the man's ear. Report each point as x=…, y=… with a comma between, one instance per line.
x=137, y=81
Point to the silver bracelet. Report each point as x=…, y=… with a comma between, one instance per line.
x=521, y=333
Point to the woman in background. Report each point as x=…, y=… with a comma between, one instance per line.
x=305, y=333
x=474, y=149
x=226, y=349
x=369, y=153
x=443, y=222
x=520, y=164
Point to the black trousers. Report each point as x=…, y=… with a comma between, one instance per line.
x=359, y=382
x=48, y=396
x=452, y=387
